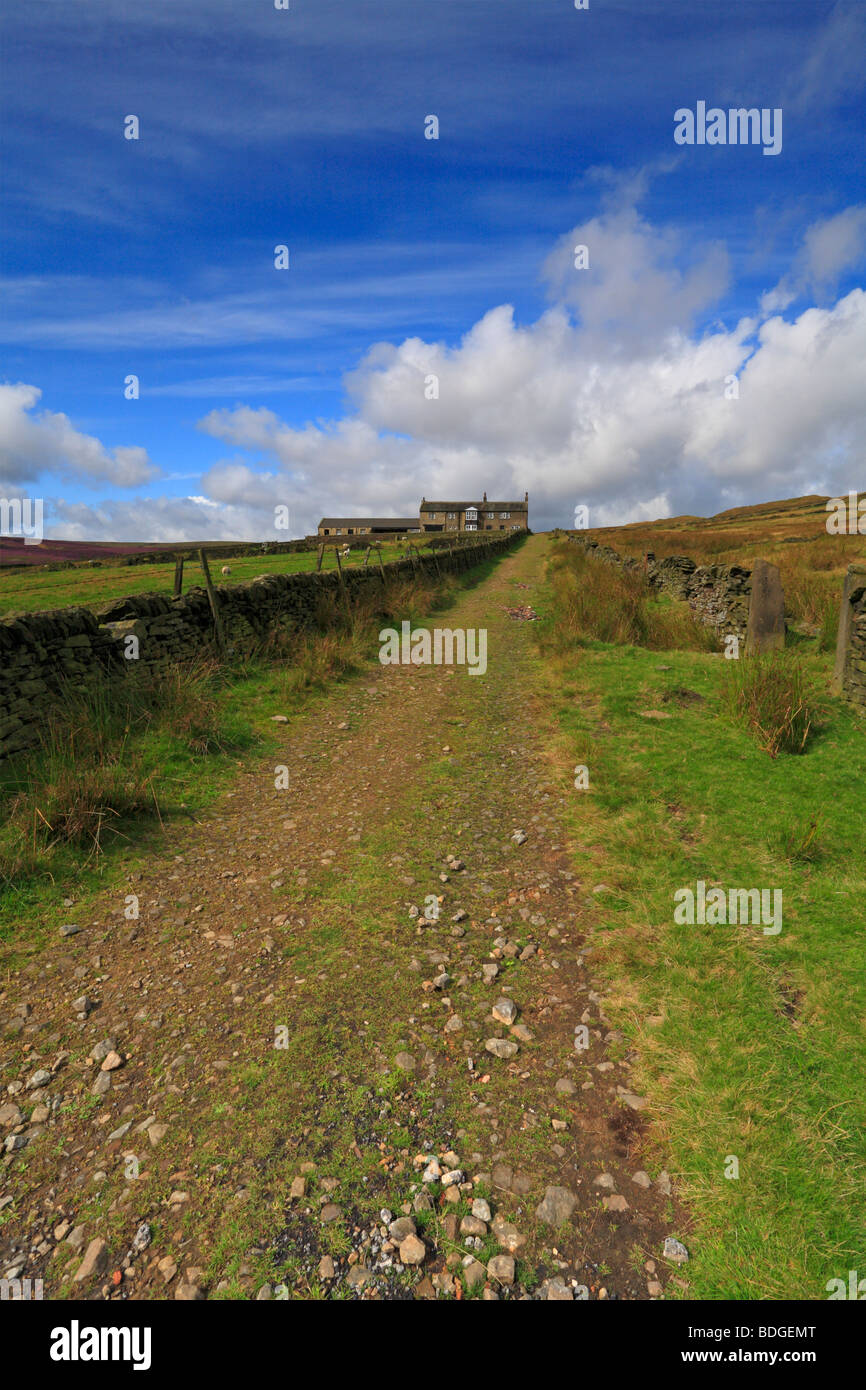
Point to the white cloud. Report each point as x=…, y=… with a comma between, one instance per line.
x=640, y=281
x=830, y=248
x=612, y=399
x=156, y=519
x=34, y=443
x=576, y=411
x=834, y=68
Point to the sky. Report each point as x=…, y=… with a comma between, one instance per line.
x=433, y=333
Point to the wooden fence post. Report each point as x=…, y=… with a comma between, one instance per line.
x=212, y=599
x=178, y=576
x=320, y=559
x=342, y=581
x=367, y=556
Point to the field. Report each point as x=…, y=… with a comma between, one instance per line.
x=791, y=534
x=16, y=551
x=34, y=589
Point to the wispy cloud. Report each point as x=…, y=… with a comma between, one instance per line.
x=353, y=288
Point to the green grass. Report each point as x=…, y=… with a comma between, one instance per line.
x=29, y=590
x=596, y=601
x=124, y=762
x=85, y=807
x=773, y=696
x=750, y=1046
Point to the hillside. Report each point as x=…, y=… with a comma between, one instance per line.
x=790, y=533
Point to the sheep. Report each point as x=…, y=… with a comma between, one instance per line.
x=225, y=570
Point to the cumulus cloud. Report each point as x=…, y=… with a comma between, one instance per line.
x=32, y=443
x=588, y=404
x=156, y=519
x=639, y=282
x=622, y=396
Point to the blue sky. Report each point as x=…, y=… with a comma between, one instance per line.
x=409, y=256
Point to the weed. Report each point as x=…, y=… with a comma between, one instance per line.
x=595, y=601
x=773, y=696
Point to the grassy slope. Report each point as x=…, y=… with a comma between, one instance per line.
x=791, y=534
x=750, y=1046
x=32, y=590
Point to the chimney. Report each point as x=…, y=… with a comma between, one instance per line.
x=485, y=497
x=526, y=498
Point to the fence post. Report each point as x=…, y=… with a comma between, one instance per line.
x=321, y=558
x=212, y=599
x=367, y=556
x=342, y=581
x=765, y=630
x=178, y=576
x=853, y=579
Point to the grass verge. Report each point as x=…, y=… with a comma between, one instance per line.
x=751, y=1047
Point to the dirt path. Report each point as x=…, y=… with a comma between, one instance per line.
x=294, y=1047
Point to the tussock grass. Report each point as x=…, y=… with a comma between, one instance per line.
x=813, y=598
x=90, y=775
x=595, y=601
x=315, y=659
x=775, y=698
x=791, y=535
x=798, y=840
x=342, y=638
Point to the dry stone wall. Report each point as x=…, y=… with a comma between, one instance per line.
x=849, y=678
x=43, y=655
x=719, y=595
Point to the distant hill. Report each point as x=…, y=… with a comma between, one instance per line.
x=791, y=533
x=14, y=551
x=788, y=508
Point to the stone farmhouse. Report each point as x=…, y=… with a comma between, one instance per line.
x=475, y=516
x=367, y=525
x=435, y=516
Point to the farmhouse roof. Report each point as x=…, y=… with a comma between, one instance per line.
x=395, y=523
x=460, y=506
